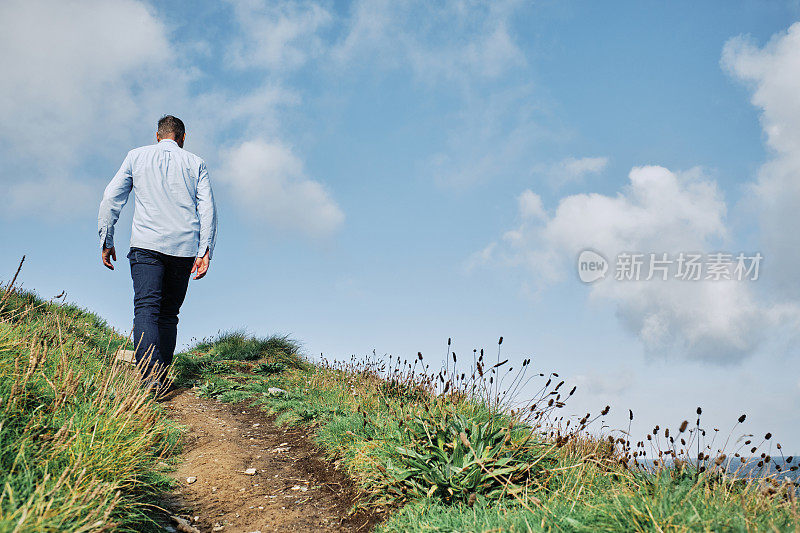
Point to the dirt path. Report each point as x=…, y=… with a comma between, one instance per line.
x=293, y=489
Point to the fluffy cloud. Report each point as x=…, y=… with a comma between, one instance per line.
x=659, y=211
x=662, y=211
x=66, y=87
x=269, y=181
x=530, y=206
x=65, y=76
x=79, y=73
x=773, y=72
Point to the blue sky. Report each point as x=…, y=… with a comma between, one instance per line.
x=391, y=174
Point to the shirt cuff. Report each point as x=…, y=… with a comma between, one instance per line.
x=106, y=238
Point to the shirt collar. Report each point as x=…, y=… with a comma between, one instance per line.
x=167, y=141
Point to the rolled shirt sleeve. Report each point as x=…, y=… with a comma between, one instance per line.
x=206, y=212
x=114, y=199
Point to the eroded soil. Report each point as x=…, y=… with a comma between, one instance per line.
x=294, y=487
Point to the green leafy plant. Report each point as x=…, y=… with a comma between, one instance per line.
x=214, y=387
x=269, y=368
x=218, y=367
x=455, y=459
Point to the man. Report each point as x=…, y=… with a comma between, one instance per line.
x=174, y=229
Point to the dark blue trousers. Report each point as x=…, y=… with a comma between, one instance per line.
x=159, y=287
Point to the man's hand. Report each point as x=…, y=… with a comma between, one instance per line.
x=201, y=266
x=107, y=255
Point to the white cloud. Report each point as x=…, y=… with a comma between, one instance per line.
x=530, y=206
x=453, y=40
x=66, y=77
x=82, y=78
x=270, y=183
x=574, y=170
x=66, y=91
x=773, y=72
x=660, y=211
x=279, y=36
x=253, y=113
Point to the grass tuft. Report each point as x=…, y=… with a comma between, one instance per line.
x=239, y=346
x=236, y=351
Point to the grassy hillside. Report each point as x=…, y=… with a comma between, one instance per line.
x=79, y=440
x=447, y=451
x=450, y=449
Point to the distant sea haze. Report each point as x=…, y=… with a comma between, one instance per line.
x=750, y=468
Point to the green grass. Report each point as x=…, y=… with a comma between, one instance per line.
x=238, y=346
x=79, y=439
x=235, y=351
x=400, y=441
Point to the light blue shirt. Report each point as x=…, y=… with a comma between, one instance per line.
x=174, y=211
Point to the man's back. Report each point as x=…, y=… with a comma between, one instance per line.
x=174, y=208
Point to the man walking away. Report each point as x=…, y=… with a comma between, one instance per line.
x=173, y=234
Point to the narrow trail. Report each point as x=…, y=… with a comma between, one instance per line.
x=294, y=488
